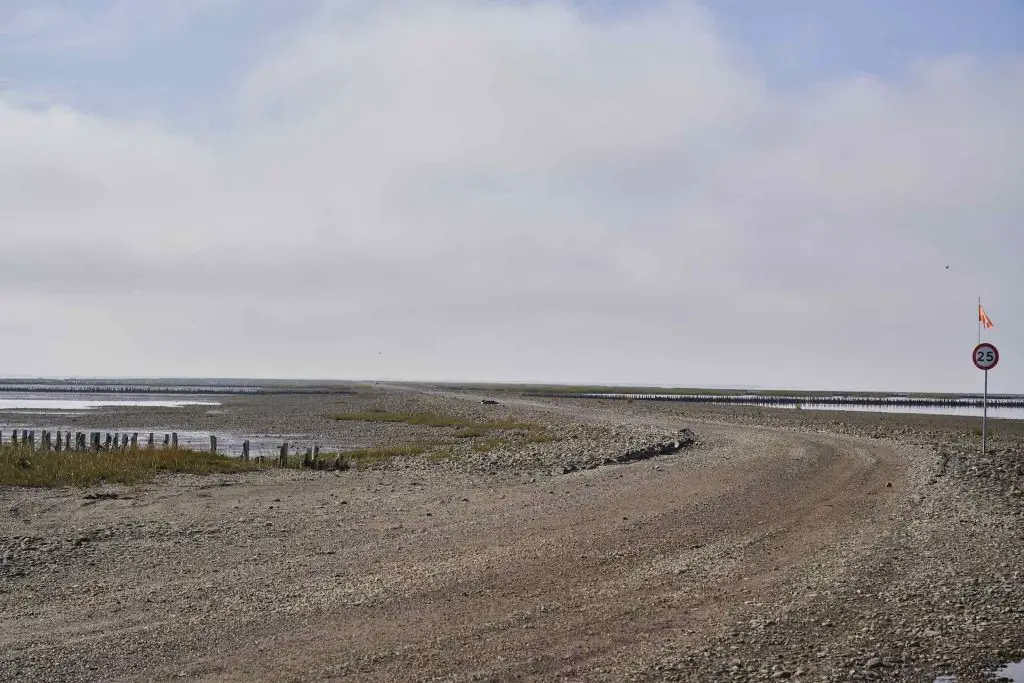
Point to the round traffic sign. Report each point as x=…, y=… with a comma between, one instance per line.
x=985, y=356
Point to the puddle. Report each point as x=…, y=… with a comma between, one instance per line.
x=47, y=404
x=1014, y=671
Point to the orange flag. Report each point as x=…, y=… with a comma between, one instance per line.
x=986, y=322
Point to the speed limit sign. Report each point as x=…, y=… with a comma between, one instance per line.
x=986, y=356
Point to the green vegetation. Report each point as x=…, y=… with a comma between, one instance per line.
x=20, y=466
x=467, y=428
x=365, y=457
x=424, y=419
x=489, y=444
x=541, y=437
x=486, y=435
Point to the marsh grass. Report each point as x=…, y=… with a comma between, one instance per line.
x=467, y=428
x=365, y=457
x=486, y=435
x=20, y=466
x=423, y=419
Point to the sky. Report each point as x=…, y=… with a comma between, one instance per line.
x=582, y=191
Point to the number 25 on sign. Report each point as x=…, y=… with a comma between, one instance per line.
x=986, y=356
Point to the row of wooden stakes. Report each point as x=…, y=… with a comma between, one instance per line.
x=98, y=441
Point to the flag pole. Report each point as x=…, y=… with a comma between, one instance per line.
x=979, y=319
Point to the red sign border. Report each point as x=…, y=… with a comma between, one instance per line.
x=984, y=345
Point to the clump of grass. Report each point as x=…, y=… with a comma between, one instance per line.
x=470, y=428
x=365, y=457
x=541, y=437
x=20, y=466
x=442, y=456
x=424, y=419
x=489, y=444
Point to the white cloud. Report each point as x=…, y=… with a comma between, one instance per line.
x=509, y=191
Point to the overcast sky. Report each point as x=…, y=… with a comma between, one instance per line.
x=652, y=192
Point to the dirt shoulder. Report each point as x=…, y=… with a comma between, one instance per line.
x=804, y=550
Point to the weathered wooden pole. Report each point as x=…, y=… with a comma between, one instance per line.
x=135, y=440
x=245, y=450
x=307, y=459
x=24, y=437
x=213, y=444
x=174, y=440
x=124, y=440
x=109, y=438
x=14, y=438
x=316, y=456
x=32, y=439
x=150, y=442
x=284, y=455
x=167, y=440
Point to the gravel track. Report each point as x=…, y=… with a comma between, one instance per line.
x=819, y=548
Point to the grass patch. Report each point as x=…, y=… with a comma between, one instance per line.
x=467, y=428
x=489, y=444
x=441, y=456
x=423, y=419
x=21, y=466
x=365, y=457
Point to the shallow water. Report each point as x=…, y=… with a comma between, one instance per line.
x=1014, y=671
x=998, y=413
x=38, y=404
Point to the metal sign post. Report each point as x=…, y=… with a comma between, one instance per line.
x=985, y=357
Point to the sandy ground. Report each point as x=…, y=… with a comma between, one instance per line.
x=783, y=546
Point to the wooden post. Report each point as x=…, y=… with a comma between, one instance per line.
x=150, y=442
x=24, y=437
x=245, y=450
x=307, y=459
x=284, y=455
x=14, y=438
x=108, y=441
x=174, y=440
x=213, y=444
x=135, y=440
x=32, y=439
x=316, y=456
x=167, y=440
x=67, y=441
x=124, y=440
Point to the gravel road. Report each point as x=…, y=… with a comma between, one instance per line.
x=820, y=547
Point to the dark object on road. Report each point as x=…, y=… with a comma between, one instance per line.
x=489, y=402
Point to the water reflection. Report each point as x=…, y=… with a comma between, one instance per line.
x=33, y=403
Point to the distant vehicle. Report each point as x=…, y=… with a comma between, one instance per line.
x=489, y=402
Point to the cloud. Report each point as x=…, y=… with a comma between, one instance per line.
x=518, y=191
